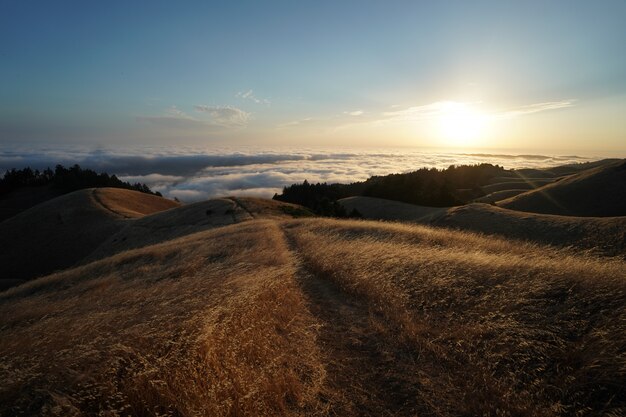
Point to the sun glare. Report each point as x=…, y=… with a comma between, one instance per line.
x=461, y=124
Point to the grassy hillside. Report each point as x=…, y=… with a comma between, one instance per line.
x=91, y=224
x=21, y=189
x=602, y=235
x=599, y=191
x=211, y=324
x=16, y=201
x=499, y=195
x=528, y=184
x=320, y=317
x=381, y=209
x=58, y=233
x=193, y=218
x=131, y=204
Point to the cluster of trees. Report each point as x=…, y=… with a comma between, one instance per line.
x=425, y=187
x=433, y=187
x=65, y=179
x=321, y=199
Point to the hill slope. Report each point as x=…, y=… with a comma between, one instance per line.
x=59, y=232
x=320, y=317
x=598, y=191
x=91, y=224
x=603, y=235
x=24, y=198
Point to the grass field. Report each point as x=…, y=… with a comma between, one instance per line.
x=320, y=317
x=599, y=191
x=601, y=235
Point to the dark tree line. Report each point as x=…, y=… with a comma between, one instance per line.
x=319, y=198
x=65, y=179
x=425, y=187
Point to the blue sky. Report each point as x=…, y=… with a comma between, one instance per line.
x=428, y=74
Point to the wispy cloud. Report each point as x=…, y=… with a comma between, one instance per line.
x=416, y=113
x=537, y=107
x=354, y=113
x=249, y=95
x=172, y=118
x=227, y=116
x=215, y=117
x=293, y=123
x=435, y=109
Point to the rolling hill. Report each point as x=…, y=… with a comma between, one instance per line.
x=244, y=306
x=58, y=233
x=603, y=235
x=276, y=316
x=90, y=224
x=599, y=191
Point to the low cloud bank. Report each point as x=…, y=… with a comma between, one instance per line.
x=193, y=175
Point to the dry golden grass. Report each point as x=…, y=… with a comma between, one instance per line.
x=320, y=317
x=494, y=327
x=58, y=233
x=212, y=324
x=499, y=195
x=599, y=191
x=602, y=235
x=131, y=204
x=273, y=209
x=521, y=184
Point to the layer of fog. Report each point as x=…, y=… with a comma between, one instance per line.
x=192, y=174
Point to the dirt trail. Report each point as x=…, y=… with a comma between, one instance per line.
x=241, y=205
x=98, y=200
x=368, y=372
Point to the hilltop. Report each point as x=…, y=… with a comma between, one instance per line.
x=25, y=188
x=59, y=232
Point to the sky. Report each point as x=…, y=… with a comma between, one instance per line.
x=531, y=76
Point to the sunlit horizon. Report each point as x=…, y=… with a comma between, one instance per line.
x=532, y=76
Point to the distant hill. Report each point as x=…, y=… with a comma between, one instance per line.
x=453, y=186
x=58, y=233
x=91, y=224
x=21, y=189
x=599, y=191
x=499, y=195
x=427, y=186
x=603, y=235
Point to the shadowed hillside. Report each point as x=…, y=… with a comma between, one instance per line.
x=605, y=236
x=453, y=186
x=320, y=317
x=599, y=191
x=60, y=232
x=25, y=188
x=193, y=218
x=91, y=224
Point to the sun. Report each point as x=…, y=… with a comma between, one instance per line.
x=461, y=124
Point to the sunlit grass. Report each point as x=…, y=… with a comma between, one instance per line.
x=229, y=322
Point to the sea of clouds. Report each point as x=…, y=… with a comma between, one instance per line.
x=193, y=174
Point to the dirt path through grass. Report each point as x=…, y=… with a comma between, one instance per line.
x=368, y=371
x=98, y=200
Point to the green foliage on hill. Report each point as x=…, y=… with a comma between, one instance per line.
x=65, y=179
x=425, y=187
